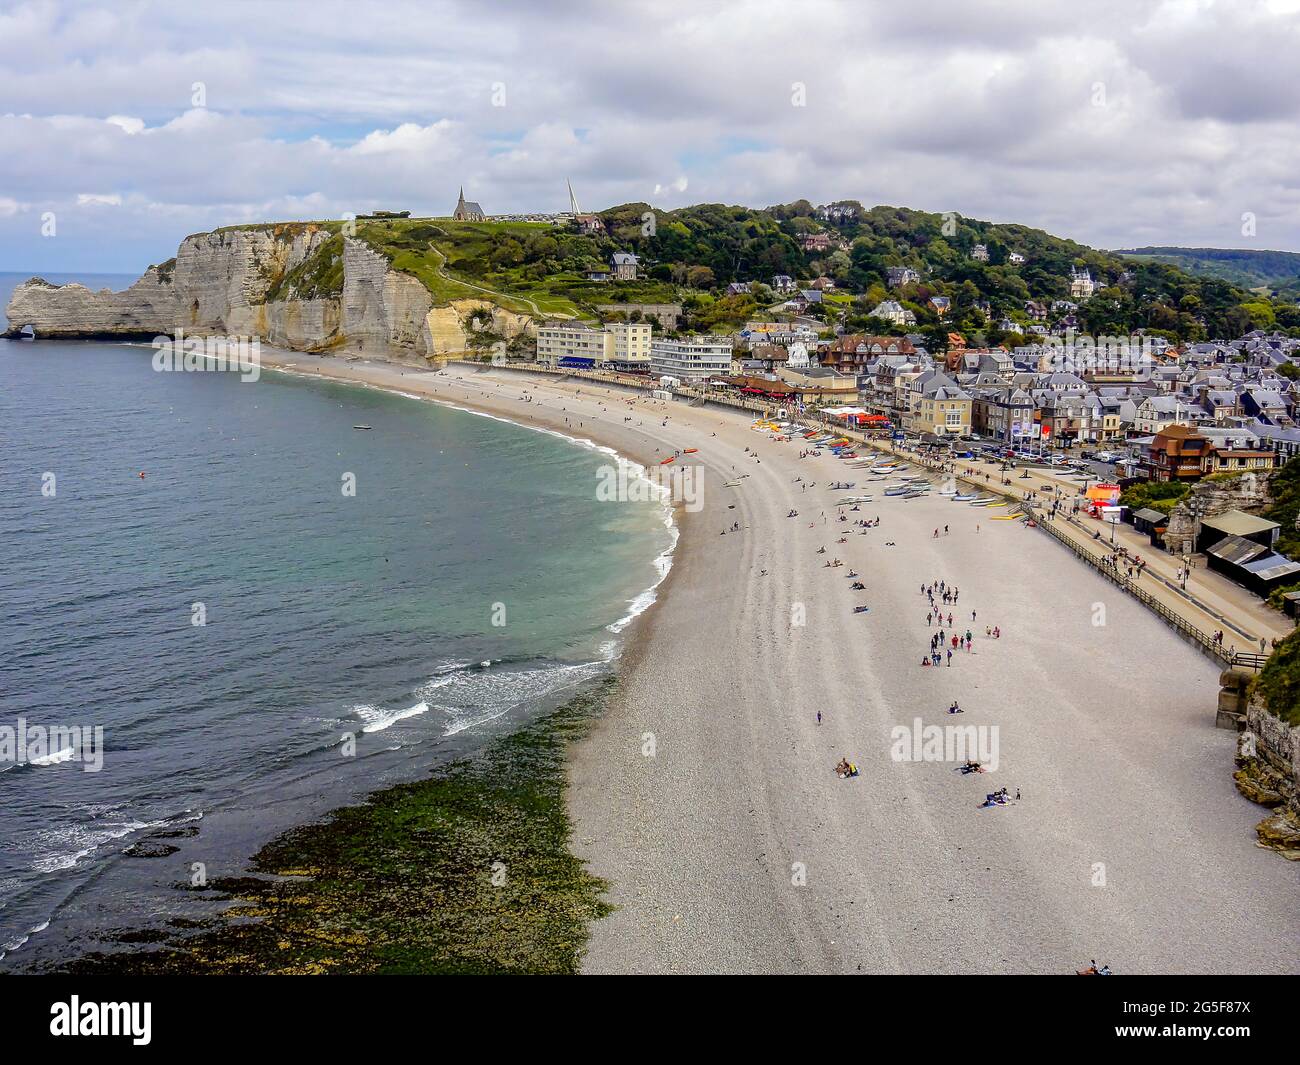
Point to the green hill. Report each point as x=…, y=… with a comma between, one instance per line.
x=690, y=255
x=1275, y=271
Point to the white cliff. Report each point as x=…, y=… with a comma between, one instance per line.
x=294, y=285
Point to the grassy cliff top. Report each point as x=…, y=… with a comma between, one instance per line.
x=691, y=254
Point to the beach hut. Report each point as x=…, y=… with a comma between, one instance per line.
x=1152, y=523
x=1252, y=565
x=1237, y=523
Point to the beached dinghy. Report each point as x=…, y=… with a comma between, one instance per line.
x=964, y=497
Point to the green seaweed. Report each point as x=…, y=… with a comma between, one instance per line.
x=467, y=872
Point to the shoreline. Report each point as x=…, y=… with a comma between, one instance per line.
x=701, y=799
x=696, y=842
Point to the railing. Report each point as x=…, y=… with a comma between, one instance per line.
x=1203, y=640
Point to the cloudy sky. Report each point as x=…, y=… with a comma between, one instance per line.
x=1117, y=122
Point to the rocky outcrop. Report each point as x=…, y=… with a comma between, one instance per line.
x=297, y=285
x=147, y=308
x=1249, y=492
x=1268, y=773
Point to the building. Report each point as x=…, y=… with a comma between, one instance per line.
x=616, y=345
x=897, y=276
x=1176, y=453
x=782, y=284
x=1081, y=284
x=1237, y=523
x=851, y=352
x=894, y=312
x=944, y=411
x=694, y=358
x=980, y=253
x=1156, y=412
x=468, y=210
x=622, y=265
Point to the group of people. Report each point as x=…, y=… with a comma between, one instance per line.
x=998, y=798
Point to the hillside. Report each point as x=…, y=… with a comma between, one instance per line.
x=1274, y=271
x=313, y=282
x=691, y=254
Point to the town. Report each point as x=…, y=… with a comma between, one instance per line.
x=1127, y=421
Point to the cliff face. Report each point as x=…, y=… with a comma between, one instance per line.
x=294, y=286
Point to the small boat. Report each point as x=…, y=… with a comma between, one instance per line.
x=690, y=451
x=730, y=484
x=964, y=497
x=361, y=427
x=901, y=491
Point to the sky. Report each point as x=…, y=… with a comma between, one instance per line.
x=128, y=125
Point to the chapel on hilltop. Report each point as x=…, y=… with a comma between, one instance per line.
x=468, y=210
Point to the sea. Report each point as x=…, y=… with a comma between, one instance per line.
x=191, y=592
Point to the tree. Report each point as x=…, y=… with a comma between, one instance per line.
x=700, y=277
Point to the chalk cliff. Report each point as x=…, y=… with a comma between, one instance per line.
x=296, y=285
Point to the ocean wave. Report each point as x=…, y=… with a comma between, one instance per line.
x=475, y=698
x=87, y=840
x=22, y=938
x=378, y=719
x=65, y=755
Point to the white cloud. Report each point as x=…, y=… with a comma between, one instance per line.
x=126, y=123
x=989, y=110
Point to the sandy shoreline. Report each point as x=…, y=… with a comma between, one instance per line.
x=735, y=848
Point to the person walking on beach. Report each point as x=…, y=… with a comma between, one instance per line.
x=819, y=717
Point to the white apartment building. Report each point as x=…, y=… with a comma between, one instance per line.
x=576, y=344
x=691, y=358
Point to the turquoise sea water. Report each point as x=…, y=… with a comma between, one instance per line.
x=326, y=615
